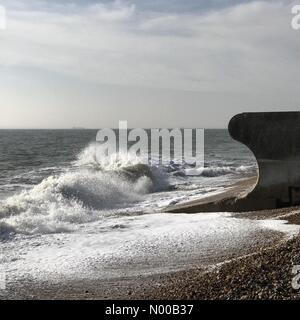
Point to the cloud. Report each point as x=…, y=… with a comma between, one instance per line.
x=243, y=47
x=116, y=11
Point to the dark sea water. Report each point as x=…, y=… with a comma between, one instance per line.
x=29, y=156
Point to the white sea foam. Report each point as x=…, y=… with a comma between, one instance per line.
x=224, y=170
x=88, y=158
x=281, y=226
x=89, y=190
x=60, y=202
x=89, y=218
x=134, y=245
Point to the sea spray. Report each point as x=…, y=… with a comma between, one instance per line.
x=88, y=191
x=60, y=203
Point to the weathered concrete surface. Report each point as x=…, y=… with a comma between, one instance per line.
x=274, y=139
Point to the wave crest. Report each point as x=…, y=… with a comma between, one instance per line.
x=59, y=203
x=89, y=191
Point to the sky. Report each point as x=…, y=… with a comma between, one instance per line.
x=154, y=63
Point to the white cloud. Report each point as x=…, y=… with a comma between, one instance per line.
x=117, y=11
x=247, y=47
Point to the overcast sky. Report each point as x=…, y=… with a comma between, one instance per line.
x=155, y=63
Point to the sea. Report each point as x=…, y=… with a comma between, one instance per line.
x=64, y=216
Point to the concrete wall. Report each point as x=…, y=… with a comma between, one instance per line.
x=274, y=139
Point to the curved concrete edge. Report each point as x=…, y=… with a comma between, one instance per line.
x=274, y=139
x=232, y=200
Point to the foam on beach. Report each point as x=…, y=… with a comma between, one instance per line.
x=88, y=219
x=149, y=244
x=281, y=226
x=89, y=190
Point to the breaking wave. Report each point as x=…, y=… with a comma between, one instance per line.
x=88, y=158
x=89, y=191
x=72, y=198
x=220, y=171
x=84, y=194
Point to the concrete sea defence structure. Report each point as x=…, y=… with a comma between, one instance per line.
x=274, y=139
